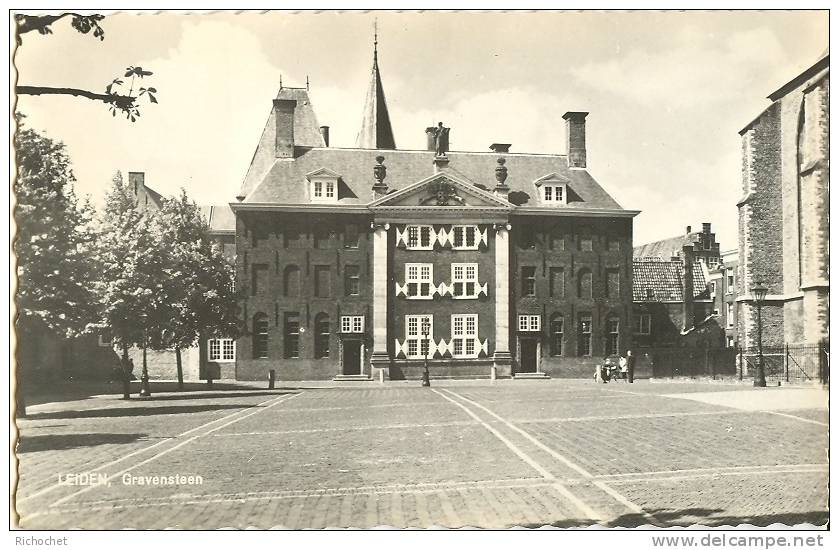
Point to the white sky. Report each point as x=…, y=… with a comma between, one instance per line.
x=667, y=93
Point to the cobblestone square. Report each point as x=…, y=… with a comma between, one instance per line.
x=460, y=454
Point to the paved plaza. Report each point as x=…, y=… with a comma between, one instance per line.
x=483, y=454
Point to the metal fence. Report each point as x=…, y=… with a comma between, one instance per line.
x=690, y=362
x=801, y=363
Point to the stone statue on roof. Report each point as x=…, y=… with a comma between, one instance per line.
x=441, y=139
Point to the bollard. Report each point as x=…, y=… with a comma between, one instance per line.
x=493, y=373
x=271, y=377
x=381, y=376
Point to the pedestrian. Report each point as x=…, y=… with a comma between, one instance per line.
x=607, y=369
x=630, y=366
x=598, y=372
x=624, y=367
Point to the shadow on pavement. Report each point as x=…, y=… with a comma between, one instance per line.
x=135, y=411
x=696, y=516
x=191, y=397
x=59, y=442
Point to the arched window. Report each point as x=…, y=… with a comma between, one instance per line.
x=260, y=336
x=322, y=333
x=584, y=284
x=291, y=281
x=557, y=334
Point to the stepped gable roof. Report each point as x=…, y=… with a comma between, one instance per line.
x=664, y=279
x=285, y=182
x=666, y=248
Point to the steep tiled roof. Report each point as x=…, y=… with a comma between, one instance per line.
x=664, y=279
x=665, y=248
x=285, y=183
x=376, y=131
x=219, y=217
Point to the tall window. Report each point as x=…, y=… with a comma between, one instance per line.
x=322, y=333
x=614, y=244
x=613, y=338
x=465, y=237
x=643, y=323
x=351, y=236
x=465, y=335
x=260, y=336
x=584, y=341
x=221, y=350
x=557, y=334
x=613, y=283
x=527, y=237
x=419, y=277
x=352, y=280
x=729, y=314
x=557, y=240
x=321, y=235
x=465, y=280
x=528, y=280
x=584, y=284
x=417, y=341
x=292, y=336
x=323, y=281
x=585, y=243
x=291, y=281
x=419, y=237
x=729, y=275
x=259, y=278
x=712, y=289
x=557, y=275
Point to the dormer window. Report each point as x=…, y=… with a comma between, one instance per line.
x=553, y=189
x=323, y=190
x=323, y=185
x=554, y=194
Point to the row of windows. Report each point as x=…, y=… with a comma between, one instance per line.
x=424, y=237
x=419, y=280
x=527, y=237
x=322, y=280
x=350, y=324
x=419, y=329
x=532, y=323
x=556, y=280
x=322, y=237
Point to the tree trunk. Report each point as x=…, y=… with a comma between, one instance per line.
x=126, y=372
x=180, y=367
x=20, y=402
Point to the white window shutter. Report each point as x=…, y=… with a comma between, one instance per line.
x=485, y=347
x=443, y=347
x=432, y=347
x=441, y=237
x=484, y=289
x=401, y=289
x=482, y=237
x=450, y=235
x=402, y=236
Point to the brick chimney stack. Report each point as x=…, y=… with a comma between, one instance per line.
x=687, y=230
x=284, y=118
x=688, y=259
x=575, y=132
x=324, y=133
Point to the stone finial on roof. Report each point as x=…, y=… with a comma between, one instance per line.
x=379, y=173
x=501, y=190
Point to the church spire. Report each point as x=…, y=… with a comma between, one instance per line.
x=376, y=132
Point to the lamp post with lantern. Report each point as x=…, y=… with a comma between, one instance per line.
x=758, y=292
x=145, y=389
x=426, y=334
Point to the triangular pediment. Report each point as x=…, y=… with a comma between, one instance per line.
x=323, y=173
x=442, y=190
x=553, y=177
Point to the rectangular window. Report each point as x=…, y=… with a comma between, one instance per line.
x=221, y=350
x=557, y=335
x=352, y=324
x=259, y=278
x=643, y=323
x=330, y=190
x=613, y=283
x=318, y=194
x=352, y=280
x=418, y=329
x=465, y=280
x=729, y=315
x=465, y=237
x=729, y=341
x=321, y=236
x=554, y=194
x=260, y=338
x=712, y=289
x=324, y=191
x=613, y=340
x=322, y=281
x=557, y=276
x=729, y=274
x=351, y=236
x=584, y=343
x=322, y=333
x=419, y=277
x=292, y=336
x=419, y=237
x=530, y=323
x=465, y=335
x=586, y=243
x=614, y=244
x=528, y=280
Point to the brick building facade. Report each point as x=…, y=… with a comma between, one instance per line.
x=518, y=264
x=783, y=214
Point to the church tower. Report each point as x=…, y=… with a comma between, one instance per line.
x=375, y=132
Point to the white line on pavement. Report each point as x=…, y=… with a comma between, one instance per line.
x=582, y=506
x=701, y=471
x=798, y=418
x=626, y=416
x=351, y=429
x=248, y=412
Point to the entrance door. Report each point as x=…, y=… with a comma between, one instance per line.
x=352, y=357
x=528, y=355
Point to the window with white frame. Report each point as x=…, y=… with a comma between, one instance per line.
x=324, y=190
x=712, y=289
x=352, y=324
x=419, y=277
x=465, y=237
x=553, y=194
x=729, y=275
x=221, y=350
x=465, y=280
x=530, y=323
x=643, y=322
x=584, y=341
x=419, y=237
x=729, y=314
x=415, y=335
x=465, y=335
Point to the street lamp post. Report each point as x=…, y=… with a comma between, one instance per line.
x=426, y=330
x=145, y=390
x=759, y=291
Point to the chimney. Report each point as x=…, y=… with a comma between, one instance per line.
x=501, y=190
x=575, y=132
x=687, y=230
x=136, y=180
x=687, y=289
x=500, y=147
x=706, y=228
x=324, y=133
x=379, y=174
x=284, y=116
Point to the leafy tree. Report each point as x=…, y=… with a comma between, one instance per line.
x=113, y=96
x=53, y=244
